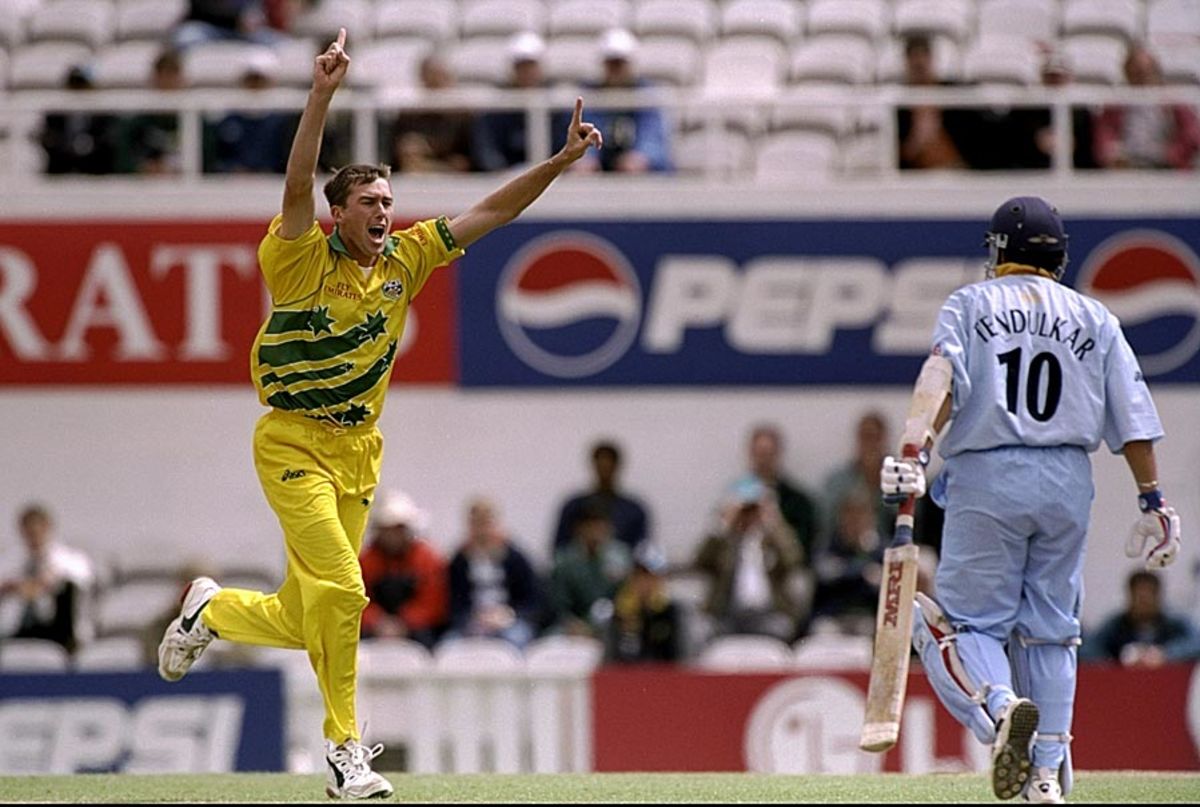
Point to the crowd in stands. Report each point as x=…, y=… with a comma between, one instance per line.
x=640, y=140
x=777, y=560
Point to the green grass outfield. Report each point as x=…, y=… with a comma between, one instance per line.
x=1098, y=787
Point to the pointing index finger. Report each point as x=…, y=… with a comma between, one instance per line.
x=341, y=40
x=577, y=118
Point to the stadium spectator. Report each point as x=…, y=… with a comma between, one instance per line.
x=848, y=566
x=1146, y=136
x=860, y=470
x=80, y=142
x=586, y=574
x=926, y=139
x=494, y=590
x=750, y=558
x=499, y=139
x=252, y=142
x=795, y=503
x=647, y=625
x=629, y=516
x=405, y=576
x=636, y=139
x=149, y=142
x=223, y=20
x=433, y=140
x=53, y=587
x=1143, y=633
x=1057, y=72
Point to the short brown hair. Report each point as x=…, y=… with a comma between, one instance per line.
x=34, y=512
x=337, y=189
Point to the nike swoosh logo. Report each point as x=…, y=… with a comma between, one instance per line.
x=188, y=621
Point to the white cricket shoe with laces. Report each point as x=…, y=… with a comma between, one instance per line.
x=349, y=774
x=1044, y=788
x=1015, y=728
x=187, y=635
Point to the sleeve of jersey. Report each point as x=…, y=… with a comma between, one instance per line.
x=1129, y=411
x=291, y=268
x=424, y=247
x=950, y=342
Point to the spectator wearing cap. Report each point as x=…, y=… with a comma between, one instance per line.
x=499, y=139
x=749, y=558
x=251, y=142
x=647, y=624
x=635, y=139
x=494, y=589
x=405, y=576
x=587, y=573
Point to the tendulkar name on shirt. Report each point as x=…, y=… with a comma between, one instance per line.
x=1016, y=321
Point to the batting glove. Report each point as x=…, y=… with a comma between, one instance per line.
x=1159, y=528
x=901, y=478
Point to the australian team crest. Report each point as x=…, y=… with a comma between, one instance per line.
x=392, y=289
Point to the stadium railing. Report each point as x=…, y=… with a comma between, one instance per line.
x=871, y=110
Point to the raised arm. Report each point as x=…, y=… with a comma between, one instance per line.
x=505, y=204
x=298, y=208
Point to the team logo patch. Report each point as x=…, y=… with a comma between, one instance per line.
x=569, y=304
x=393, y=289
x=1151, y=281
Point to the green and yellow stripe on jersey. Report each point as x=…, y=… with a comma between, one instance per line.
x=328, y=347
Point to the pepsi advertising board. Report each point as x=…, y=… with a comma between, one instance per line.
x=134, y=722
x=783, y=302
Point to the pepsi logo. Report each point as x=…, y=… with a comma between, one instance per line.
x=569, y=304
x=1151, y=281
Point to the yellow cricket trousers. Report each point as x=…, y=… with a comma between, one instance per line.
x=320, y=482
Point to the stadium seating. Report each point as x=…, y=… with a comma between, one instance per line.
x=110, y=654
x=33, y=655
x=148, y=19
x=742, y=55
x=89, y=21
x=479, y=703
x=126, y=64
x=833, y=651
x=869, y=19
x=695, y=19
x=588, y=16
x=128, y=606
x=434, y=20
x=557, y=668
x=493, y=17
x=743, y=653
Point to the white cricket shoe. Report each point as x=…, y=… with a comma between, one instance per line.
x=187, y=635
x=349, y=774
x=1044, y=788
x=1015, y=728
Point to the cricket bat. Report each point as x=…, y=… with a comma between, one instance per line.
x=893, y=637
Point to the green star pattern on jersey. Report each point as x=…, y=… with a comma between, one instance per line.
x=297, y=377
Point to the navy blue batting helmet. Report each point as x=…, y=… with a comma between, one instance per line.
x=1028, y=230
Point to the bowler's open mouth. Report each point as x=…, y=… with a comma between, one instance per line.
x=377, y=231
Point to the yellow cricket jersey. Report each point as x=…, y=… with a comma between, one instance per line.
x=328, y=347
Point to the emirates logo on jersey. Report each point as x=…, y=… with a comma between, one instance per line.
x=392, y=289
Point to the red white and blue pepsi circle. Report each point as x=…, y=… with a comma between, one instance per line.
x=569, y=304
x=1151, y=281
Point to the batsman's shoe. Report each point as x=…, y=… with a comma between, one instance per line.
x=187, y=635
x=1015, y=728
x=1044, y=788
x=349, y=774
